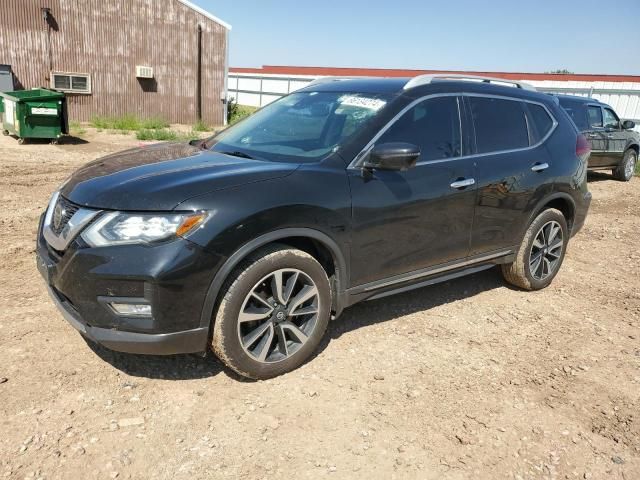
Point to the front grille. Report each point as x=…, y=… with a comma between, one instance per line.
x=62, y=213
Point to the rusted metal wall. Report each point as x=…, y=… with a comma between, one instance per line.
x=107, y=39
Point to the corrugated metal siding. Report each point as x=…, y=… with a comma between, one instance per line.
x=107, y=39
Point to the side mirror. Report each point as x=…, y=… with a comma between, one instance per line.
x=397, y=156
x=628, y=124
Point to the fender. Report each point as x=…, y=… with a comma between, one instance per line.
x=541, y=204
x=247, y=248
x=632, y=144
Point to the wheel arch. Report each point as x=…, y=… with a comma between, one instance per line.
x=316, y=243
x=560, y=201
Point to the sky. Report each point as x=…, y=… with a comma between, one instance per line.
x=585, y=36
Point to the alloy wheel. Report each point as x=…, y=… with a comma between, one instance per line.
x=546, y=251
x=278, y=315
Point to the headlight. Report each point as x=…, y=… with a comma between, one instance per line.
x=116, y=228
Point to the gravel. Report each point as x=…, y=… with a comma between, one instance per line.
x=467, y=379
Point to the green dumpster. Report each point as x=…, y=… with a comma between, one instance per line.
x=37, y=113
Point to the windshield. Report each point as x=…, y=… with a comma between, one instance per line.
x=300, y=127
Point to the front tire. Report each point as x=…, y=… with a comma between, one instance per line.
x=273, y=314
x=541, y=252
x=624, y=172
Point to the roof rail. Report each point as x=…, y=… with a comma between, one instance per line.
x=321, y=80
x=429, y=78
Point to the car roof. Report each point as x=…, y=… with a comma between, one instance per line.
x=396, y=86
x=363, y=84
x=576, y=99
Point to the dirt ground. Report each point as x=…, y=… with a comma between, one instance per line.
x=468, y=379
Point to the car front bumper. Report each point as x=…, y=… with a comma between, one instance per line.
x=173, y=278
x=189, y=341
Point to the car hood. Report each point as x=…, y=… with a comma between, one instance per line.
x=159, y=177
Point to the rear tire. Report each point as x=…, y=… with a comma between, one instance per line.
x=21, y=141
x=5, y=132
x=541, y=252
x=273, y=314
x=624, y=172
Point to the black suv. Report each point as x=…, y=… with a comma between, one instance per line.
x=347, y=190
x=614, y=145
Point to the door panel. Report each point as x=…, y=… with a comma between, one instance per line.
x=615, y=136
x=507, y=188
x=510, y=169
x=405, y=221
x=598, y=141
x=597, y=137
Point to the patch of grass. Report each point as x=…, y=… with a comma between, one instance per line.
x=637, y=169
x=76, y=128
x=192, y=135
x=243, y=112
x=200, y=126
x=156, y=134
x=164, y=134
x=236, y=112
x=128, y=123
x=153, y=123
x=100, y=123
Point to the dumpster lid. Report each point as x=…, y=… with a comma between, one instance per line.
x=34, y=94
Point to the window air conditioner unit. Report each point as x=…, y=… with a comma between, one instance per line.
x=144, y=72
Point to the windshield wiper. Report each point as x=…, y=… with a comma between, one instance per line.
x=238, y=154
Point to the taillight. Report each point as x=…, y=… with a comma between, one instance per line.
x=583, y=148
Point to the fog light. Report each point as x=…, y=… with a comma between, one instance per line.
x=131, y=309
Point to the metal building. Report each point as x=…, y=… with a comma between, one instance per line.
x=151, y=58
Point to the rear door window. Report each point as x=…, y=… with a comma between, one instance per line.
x=500, y=124
x=595, y=117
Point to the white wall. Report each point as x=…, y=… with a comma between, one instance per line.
x=258, y=90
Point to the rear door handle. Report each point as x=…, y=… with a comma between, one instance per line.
x=463, y=183
x=539, y=167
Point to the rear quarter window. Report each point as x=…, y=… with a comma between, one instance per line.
x=500, y=124
x=540, y=122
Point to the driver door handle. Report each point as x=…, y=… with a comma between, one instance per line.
x=539, y=167
x=463, y=183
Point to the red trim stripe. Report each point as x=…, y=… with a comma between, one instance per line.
x=390, y=72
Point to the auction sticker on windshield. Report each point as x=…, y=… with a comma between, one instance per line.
x=362, y=102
